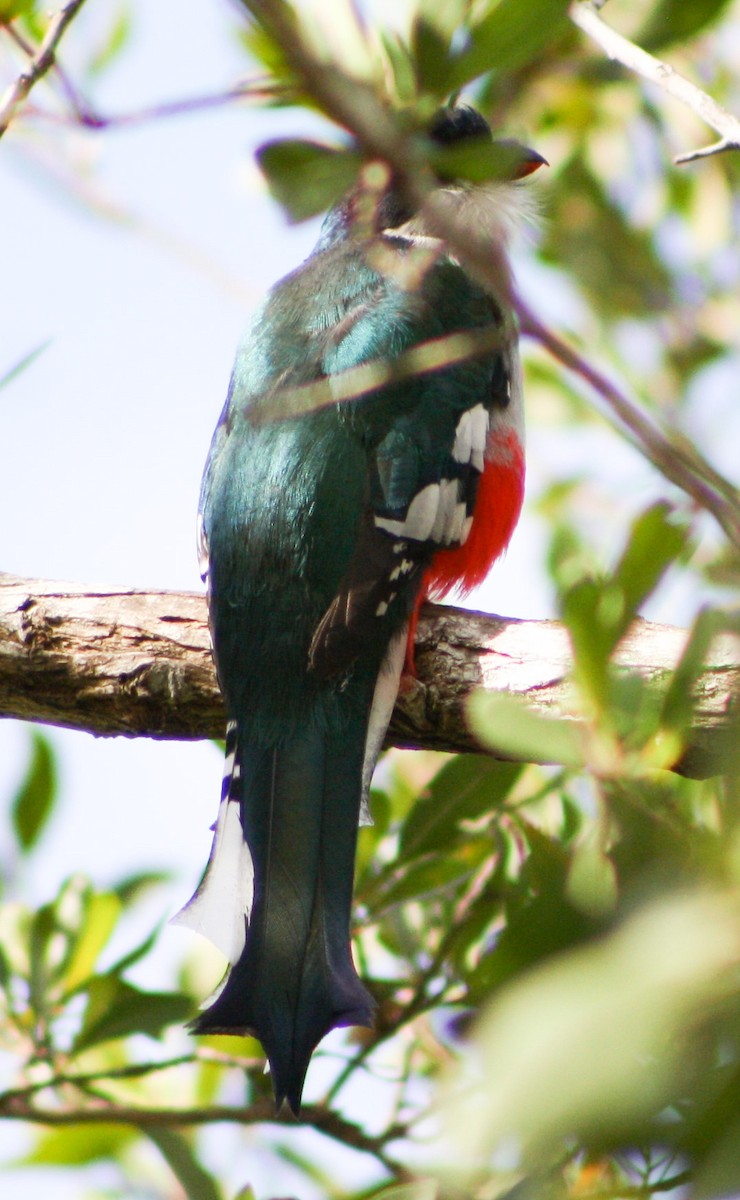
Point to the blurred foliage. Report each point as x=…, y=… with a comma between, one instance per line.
x=116, y=37
x=26, y=361
x=34, y=801
x=554, y=951
x=331, y=171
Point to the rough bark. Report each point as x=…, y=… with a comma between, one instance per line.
x=138, y=664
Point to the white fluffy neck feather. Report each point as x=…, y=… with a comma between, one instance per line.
x=496, y=211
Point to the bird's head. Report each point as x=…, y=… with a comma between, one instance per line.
x=477, y=177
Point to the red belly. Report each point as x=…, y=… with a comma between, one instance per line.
x=497, y=508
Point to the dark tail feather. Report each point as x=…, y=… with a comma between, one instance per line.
x=295, y=979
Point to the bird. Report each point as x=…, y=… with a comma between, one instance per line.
x=320, y=532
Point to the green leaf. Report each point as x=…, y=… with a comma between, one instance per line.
x=115, y=1009
x=338, y=35
x=9, y=10
x=117, y=38
x=420, y=1189
x=431, y=58
x=614, y=261
x=307, y=177
x=65, y=937
x=6, y=972
x=13, y=372
x=510, y=36
x=435, y=23
x=467, y=943
x=592, y=878
x=100, y=918
x=590, y=610
x=569, y=559
x=43, y=927
x=179, y=1155
x=76, y=1145
x=509, y=727
x=655, y=542
x=673, y=21
x=466, y=787
x=401, y=65
x=266, y=49
x=598, y=613
x=593, y=1044
x=478, y=160
x=422, y=879
x=724, y=569
x=15, y=928
x=445, y=16
x=34, y=21
x=538, y=927
x=679, y=701
x=133, y=956
x=719, y=1174
x=133, y=887
x=34, y=801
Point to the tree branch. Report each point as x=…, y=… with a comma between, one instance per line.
x=316, y=1116
x=138, y=664
x=619, y=48
x=42, y=61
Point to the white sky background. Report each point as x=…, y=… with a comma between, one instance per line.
x=103, y=439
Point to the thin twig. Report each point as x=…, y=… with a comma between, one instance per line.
x=640, y=1191
x=620, y=49
x=68, y=87
x=90, y=118
x=417, y=1007
x=131, y=1071
x=11, y=1099
x=42, y=61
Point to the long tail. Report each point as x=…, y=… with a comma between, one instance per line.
x=295, y=979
